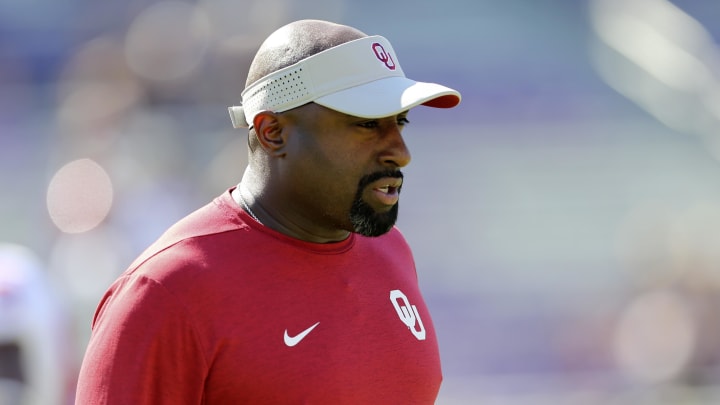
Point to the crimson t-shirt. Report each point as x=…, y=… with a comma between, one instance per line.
x=222, y=310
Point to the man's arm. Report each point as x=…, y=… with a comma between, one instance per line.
x=143, y=349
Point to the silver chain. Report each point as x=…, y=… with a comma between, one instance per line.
x=247, y=207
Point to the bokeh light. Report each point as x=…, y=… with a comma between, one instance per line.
x=167, y=41
x=655, y=337
x=79, y=196
x=97, y=91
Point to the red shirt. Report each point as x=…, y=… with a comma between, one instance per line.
x=222, y=310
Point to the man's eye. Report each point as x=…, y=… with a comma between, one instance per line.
x=369, y=124
x=401, y=121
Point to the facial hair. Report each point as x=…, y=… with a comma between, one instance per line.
x=365, y=220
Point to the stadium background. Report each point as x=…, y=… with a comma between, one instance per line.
x=565, y=218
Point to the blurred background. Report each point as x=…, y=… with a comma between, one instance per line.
x=565, y=217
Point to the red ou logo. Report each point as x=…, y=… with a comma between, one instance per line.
x=383, y=56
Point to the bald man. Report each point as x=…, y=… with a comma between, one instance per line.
x=294, y=286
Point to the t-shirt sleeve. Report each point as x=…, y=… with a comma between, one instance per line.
x=144, y=349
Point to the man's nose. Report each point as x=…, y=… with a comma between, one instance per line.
x=396, y=152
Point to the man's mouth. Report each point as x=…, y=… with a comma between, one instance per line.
x=386, y=191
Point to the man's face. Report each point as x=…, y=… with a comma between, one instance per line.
x=344, y=170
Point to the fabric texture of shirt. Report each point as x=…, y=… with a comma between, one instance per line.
x=222, y=310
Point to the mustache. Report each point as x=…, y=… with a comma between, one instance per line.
x=369, y=178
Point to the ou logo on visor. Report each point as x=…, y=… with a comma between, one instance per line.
x=383, y=56
x=408, y=313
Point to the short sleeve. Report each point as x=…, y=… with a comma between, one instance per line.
x=144, y=349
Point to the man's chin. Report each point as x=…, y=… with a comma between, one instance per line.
x=368, y=222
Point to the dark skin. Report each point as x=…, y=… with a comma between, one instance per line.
x=305, y=164
x=297, y=41
x=312, y=161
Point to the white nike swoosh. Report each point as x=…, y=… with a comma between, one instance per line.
x=291, y=341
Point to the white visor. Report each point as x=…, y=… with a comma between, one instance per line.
x=362, y=78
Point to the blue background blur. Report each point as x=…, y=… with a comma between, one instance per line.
x=565, y=217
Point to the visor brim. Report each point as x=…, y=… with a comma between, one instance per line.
x=389, y=96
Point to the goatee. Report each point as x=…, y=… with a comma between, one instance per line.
x=365, y=220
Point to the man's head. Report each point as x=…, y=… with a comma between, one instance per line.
x=326, y=105
x=336, y=66
x=296, y=41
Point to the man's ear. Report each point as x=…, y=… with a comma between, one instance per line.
x=270, y=134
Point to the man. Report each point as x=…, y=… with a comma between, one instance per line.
x=294, y=286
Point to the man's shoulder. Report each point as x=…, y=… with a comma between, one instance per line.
x=218, y=216
x=185, y=241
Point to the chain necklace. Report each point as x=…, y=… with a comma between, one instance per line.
x=245, y=205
